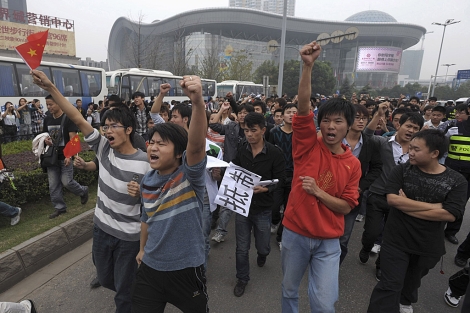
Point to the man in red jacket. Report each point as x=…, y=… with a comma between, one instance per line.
x=324, y=189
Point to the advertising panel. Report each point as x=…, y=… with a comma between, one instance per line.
x=59, y=41
x=378, y=59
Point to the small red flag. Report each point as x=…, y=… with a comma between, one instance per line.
x=32, y=50
x=72, y=147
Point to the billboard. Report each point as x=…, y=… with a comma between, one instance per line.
x=378, y=59
x=14, y=34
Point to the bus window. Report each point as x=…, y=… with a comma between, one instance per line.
x=139, y=83
x=8, y=86
x=117, y=82
x=224, y=89
x=28, y=89
x=91, y=83
x=154, y=86
x=211, y=89
x=204, y=88
x=67, y=81
x=125, y=89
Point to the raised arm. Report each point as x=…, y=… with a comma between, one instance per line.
x=217, y=117
x=309, y=53
x=158, y=102
x=378, y=115
x=196, y=149
x=40, y=79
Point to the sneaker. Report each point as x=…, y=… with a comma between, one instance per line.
x=359, y=218
x=239, y=289
x=219, y=237
x=30, y=304
x=280, y=245
x=15, y=220
x=274, y=228
x=378, y=274
x=84, y=198
x=375, y=249
x=56, y=213
x=95, y=283
x=406, y=308
x=450, y=299
x=460, y=262
x=261, y=260
x=363, y=256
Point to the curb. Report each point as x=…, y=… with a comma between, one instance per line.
x=33, y=254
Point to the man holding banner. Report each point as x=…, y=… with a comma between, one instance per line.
x=260, y=157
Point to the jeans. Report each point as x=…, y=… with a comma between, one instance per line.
x=401, y=277
x=62, y=176
x=12, y=307
x=206, y=229
x=7, y=210
x=224, y=218
x=261, y=225
x=116, y=266
x=321, y=256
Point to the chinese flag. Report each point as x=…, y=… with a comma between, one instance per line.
x=31, y=51
x=72, y=147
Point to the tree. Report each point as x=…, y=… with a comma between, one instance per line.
x=290, y=82
x=267, y=68
x=346, y=88
x=210, y=65
x=323, y=80
x=240, y=67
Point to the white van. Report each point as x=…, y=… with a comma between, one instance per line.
x=461, y=100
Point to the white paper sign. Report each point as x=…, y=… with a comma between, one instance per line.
x=236, y=189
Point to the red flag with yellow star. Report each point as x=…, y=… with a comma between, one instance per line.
x=72, y=147
x=31, y=51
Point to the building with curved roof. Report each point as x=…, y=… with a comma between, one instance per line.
x=197, y=38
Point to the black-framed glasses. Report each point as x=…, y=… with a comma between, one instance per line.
x=112, y=127
x=363, y=118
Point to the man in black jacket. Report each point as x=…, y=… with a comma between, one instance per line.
x=262, y=158
x=368, y=153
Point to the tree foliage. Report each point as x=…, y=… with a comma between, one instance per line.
x=267, y=68
x=346, y=88
x=240, y=67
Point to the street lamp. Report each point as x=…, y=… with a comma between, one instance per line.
x=448, y=65
x=445, y=24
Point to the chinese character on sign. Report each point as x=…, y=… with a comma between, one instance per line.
x=32, y=17
x=44, y=20
x=234, y=200
x=56, y=22
x=241, y=177
x=19, y=17
x=4, y=14
x=67, y=24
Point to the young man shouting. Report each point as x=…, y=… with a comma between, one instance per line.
x=171, y=255
x=324, y=189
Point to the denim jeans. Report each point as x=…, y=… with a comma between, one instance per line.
x=7, y=210
x=116, y=266
x=224, y=218
x=321, y=256
x=59, y=177
x=12, y=307
x=261, y=225
x=206, y=229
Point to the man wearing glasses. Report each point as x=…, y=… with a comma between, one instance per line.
x=394, y=151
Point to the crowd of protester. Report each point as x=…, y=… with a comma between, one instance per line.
x=399, y=166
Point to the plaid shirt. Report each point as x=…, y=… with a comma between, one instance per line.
x=35, y=118
x=141, y=117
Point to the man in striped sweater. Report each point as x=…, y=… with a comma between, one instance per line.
x=116, y=232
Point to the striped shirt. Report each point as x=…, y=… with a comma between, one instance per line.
x=116, y=212
x=172, y=209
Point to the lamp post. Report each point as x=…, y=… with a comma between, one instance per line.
x=448, y=65
x=280, y=76
x=445, y=24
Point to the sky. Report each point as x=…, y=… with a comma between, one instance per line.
x=94, y=20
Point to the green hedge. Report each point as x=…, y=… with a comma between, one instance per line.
x=33, y=185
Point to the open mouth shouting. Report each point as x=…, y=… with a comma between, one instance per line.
x=153, y=158
x=330, y=136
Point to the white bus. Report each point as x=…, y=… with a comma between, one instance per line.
x=238, y=88
x=73, y=81
x=125, y=82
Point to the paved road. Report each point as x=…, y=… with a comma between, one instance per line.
x=62, y=286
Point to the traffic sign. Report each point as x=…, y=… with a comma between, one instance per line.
x=463, y=74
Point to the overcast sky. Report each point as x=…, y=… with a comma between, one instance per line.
x=94, y=19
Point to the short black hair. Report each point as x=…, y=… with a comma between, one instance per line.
x=173, y=133
x=252, y=119
x=259, y=103
x=338, y=106
x=434, y=139
x=122, y=114
x=138, y=94
x=439, y=109
x=432, y=99
x=415, y=98
x=282, y=102
x=114, y=98
x=49, y=97
x=370, y=103
x=400, y=111
x=279, y=111
x=248, y=107
x=413, y=117
x=428, y=107
x=462, y=107
x=184, y=110
x=360, y=109
x=287, y=106
x=165, y=109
